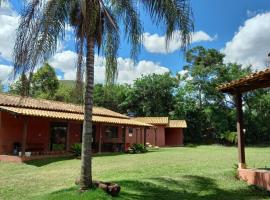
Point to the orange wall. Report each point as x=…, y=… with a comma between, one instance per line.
x=174, y=137
x=11, y=130
x=138, y=136
x=75, y=129
x=38, y=132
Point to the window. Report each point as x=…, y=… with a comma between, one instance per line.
x=111, y=132
x=130, y=130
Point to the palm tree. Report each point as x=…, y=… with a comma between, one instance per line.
x=96, y=27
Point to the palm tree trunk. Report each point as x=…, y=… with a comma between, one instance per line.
x=86, y=163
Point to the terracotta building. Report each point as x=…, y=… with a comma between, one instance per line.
x=45, y=127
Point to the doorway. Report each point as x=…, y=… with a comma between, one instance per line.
x=58, y=136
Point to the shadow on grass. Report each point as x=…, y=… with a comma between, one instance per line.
x=73, y=193
x=162, y=188
x=105, y=154
x=42, y=162
x=46, y=161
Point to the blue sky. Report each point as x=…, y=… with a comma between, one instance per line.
x=240, y=29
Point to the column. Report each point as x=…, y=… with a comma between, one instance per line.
x=240, y=133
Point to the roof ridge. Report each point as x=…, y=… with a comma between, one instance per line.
x=38, y=99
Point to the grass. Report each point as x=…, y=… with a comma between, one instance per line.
x=188, y=173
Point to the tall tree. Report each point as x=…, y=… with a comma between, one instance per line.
x=41, y=84
x=152, y=95
x=113, y=97
x=96, y=24
x=209, y=112
x=22, y=86
x=44, y=82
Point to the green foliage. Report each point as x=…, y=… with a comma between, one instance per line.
x=42, y=84
x=208, y=112
x=65, y=92
x=229, y=137
x=138, y=148
x=256, y=115
x=76, y=149
x=22, y=86
x=113, y=97
x=152, y=95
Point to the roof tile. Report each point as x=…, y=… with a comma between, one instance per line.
x=70, y=116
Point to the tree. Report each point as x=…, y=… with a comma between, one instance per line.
x=96, y=25
x=65, y=92
x=209, y=112
x=22, y=86
x=152, y=95
x=113, y=97
x=44, y=83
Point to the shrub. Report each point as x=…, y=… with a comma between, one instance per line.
x=229, y=137
x=76, y=149
x=138, y=148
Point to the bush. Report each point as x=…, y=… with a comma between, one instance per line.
x=138, y=148
x=76, y=149
x=229, y=137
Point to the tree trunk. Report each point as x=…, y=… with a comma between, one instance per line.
x=86, y=163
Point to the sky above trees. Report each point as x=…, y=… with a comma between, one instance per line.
x=240, y=29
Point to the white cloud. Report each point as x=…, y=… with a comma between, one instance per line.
x=128, y=70
x=65, y=62
x=252, y=13
x=5, y=72
x=9, y=23
x=155, y=43
x=251, y=44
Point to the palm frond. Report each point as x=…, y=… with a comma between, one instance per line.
x=175, y=14
x=126, y=12
x=111, y=45
x=41, y=26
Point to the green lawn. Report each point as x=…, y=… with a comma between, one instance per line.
x=197, y=173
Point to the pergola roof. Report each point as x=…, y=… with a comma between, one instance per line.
x=253, y=81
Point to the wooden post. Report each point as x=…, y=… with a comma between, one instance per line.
x=24, y=138
x=124, y=137
x=155, y=136
x=141, y=136
x=240, y=132
x=100, y=138
x=144, y=139
x=68, y=137
x=136, y=135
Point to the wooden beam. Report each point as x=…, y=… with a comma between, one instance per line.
x=99, y=140
x=24, y=136
x=240, y=132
